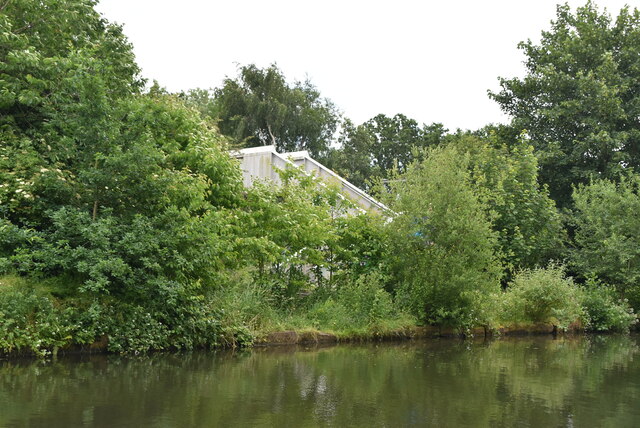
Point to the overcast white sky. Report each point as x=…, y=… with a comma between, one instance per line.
x=430, y=60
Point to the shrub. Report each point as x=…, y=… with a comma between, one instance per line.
x=542, y=295
x=245, y=307
x=29, y=321
x=603, y=311
x=329, y=314
x=366, y=299
x=131, y=328
x=360, y=303
x=32, y=319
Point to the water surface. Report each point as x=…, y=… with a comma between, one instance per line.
x=537, y=382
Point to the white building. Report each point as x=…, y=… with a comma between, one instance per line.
x=264, y=161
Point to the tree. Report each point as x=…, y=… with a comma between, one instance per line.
x=99, y=182
x=116, y=198
x=139, y=209
x=380, y=145
x=259, y=107
x=525, y=219
x=607, y=234
x=290, y=230
x=395, y=139
x=43, y=42
x=442, y=244
x=60, y=66
x=353, y=158
x=580, y=99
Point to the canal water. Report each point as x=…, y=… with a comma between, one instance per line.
x=525, y=382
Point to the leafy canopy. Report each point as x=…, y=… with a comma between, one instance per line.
x=259, y=107
x=442, y=243
x=376, y=148
x=607, y=234
x=580, y=99
x=525, y=219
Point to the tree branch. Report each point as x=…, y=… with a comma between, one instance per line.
x=95, y=199
x=26, y=27
x=273, y=139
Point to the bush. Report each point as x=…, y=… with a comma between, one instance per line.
x=172, y=317
x=542, y=295
x=331, y=315
x=130, y=328
x=362, y=303
x=31, y=322
x=603, y=311
x=366, y=300
x=245, y=307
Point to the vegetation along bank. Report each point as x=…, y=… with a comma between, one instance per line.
x=124, y=221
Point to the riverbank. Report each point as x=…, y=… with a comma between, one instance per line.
x=323, y=338
x=293, y=337
x=37, y=319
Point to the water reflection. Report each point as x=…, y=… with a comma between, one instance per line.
x=537, y=382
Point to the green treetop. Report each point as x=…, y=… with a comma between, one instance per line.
x=259, y=107
x=580, y=99
x=382, y=144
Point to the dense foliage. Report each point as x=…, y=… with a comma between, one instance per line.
x=607, y=234
x=579, y=101
x=124, y=222
x=603, y=310
x=525, y=219
x=542, y=295
x=259, y=107
x=381, y=146
x=444, y=251
x=112, y=196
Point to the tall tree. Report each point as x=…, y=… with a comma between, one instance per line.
x=580, y=99
x=259, y=107
x=97, y=181
x=380, y=145
x=61, y=65
x=607, y=234
x=441, y=240
x=353, y=158
x=525, y=219
x=396, y=137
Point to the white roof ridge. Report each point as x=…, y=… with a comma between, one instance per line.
x=289, y=157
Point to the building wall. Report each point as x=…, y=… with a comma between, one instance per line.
x=263, y=163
